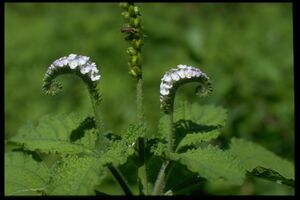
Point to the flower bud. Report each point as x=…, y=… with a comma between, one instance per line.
x=131, y=51
x=124, y=5
x=136, y=22
x=131, y=10
x=137, y=43
x=136, y=10
x=125, y=14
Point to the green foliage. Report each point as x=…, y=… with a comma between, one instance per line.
x=212, y=163
x=24, y=175
x=119, y=151
x=52, y=134
x=194, y=38
x=253, y=155
x=75, y=175
x=196, y=138
x=271, y=175
x=209, y=115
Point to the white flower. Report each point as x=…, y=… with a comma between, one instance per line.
x=167, y=78
x=164, y=91
x=71, y=56
x=82, y=62
x=73, y=64
x=181, y=66
x=95, y=78
x=175, y=76
x=181, y=73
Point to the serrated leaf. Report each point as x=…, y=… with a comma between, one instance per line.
x=119, y=151
x=194, y=118
x=196, y=138
x=52, y=134
x=88, y=140
x=271, y=175
x=212, y=163
x=75, y=175
x=24, y=175
x=253, y=155
x=208, y=115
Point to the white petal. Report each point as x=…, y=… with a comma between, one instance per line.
x=164, y=91
x=81, y=61
x=95, y=78
x=85, y=69
x=167, y=78
x=72, y=56
x=175, y=76
x=181, y=73
x=188, y=73
x=73, y=64
x=181, y=66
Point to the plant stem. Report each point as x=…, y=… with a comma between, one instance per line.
x=102, y=143
x=160, y=180
x=162, y=177
x=142, y=173
x=170, y=131
x=115, y=172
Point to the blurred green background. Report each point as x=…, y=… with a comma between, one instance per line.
x=246, y=49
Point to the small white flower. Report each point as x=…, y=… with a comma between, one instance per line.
x=72, y=56
x=166, y=85
x=95, y=78
x=164, y=91
x=180, y=66
x=181, y=73
x=167, y=78
x=73, y=64
x=175, y=76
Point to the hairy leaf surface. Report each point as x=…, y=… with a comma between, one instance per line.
x=253, y=155
x=75, y=175
x=52, y=134
x=212, y=163
x=24, y=175
x=196, y=138
x=119, y=151
x=209, y=115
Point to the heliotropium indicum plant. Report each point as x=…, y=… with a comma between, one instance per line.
x=72, y=154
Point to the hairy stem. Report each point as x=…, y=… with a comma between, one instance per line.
x=102, y=142
x=142, y=173
x=160, y=180
x=166, y=166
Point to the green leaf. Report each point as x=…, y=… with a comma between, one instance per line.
x=196, y=138
x=271, y=175
x=208, y=115
x=119, y=150
x=75, y=175
x=253, y=155
x=24, y=175
x=193, y=118
x=51, y=135
x=211, y=163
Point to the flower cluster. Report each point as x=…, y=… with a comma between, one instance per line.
x=176, y=77
x=74, y=61
x=75, y=64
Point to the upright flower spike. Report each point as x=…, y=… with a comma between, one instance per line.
x=135, y=36
x=176, y=77
x=76, y=64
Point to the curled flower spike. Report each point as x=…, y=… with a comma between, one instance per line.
x=77, y=64
x=174, y=78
